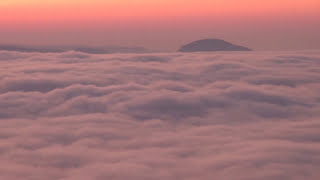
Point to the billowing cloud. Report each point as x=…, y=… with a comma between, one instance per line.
x=204, y=116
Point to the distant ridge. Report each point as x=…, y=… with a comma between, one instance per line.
x=83, y=49
x=30, y=49
x=210, y=45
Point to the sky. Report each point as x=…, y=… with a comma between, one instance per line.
x=161, y=24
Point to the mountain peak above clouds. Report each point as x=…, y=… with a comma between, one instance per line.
x=210, y=45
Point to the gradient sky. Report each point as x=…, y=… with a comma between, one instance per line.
x=161, y=24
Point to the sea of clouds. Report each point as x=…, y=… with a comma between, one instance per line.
x=166, y=116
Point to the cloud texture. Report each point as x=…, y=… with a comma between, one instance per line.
x=204, y=116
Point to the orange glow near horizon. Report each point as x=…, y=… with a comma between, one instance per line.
x=24, y=11
x=161, y=23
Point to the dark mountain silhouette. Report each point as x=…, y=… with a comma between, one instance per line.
x=209, y=45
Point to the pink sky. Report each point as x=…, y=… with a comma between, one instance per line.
x=262, y=25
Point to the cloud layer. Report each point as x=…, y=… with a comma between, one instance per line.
x=204, y=116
